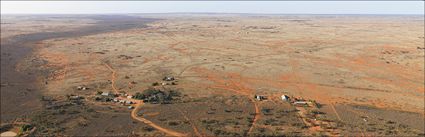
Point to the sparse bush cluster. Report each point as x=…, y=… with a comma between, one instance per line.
x=153, y=95
x=148, y=128
x=59, y=112
x=271, y=121
x=216, y=127
x=267, y=111
x=173, y=123
x=25, y=128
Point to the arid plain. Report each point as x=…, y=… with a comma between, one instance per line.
x=364, y=73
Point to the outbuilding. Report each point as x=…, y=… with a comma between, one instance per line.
x=105, y=94
x=82, y=88
x=168, y=78
x=300, y=103
x=285, y=98
x=260, y=97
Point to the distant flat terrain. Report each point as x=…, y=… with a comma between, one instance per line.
x=363, y=72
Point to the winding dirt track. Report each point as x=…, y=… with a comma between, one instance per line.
x=247, y=92
x=191, y=123
x=337, y=115
x=227, y=82
x=256, y=117
x=339, y=118
x=150, y=123
x=138, y=106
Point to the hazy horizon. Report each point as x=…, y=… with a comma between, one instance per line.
x=366, y=14
x=219, y=7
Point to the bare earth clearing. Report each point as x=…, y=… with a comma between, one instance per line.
x=366, y=72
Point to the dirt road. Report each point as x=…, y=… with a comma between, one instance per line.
x=141, y=119
x=339, y=118
x=113, y=77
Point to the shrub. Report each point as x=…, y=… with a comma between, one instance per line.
x=269, y=121
x=267, y=111
x=173, y=123
x=150, y=91
x=390, y=122
x=25, y=128
x=314, y=111
x=139, y=96
x=218, y=132
x=90, y=110
x=262, y=130
x=149, y=129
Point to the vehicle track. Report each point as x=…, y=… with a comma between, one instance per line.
x=234, y=86
x=191, y=123
x=247, y=93
x=113, y=77
x=150, y=123
x=339, y=118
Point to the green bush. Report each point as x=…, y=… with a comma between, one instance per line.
x=25, y=128
x=139, y=96
x=173, y=123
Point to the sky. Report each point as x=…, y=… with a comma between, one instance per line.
x=265, y=7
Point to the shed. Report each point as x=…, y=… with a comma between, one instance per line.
x=300, y=103
x=285, y=98
x=75, y=97
x=82, y=88
x=260, y=97
x=105, y=94
x=168, y=78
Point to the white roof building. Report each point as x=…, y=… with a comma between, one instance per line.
x=260, y=97
x=285, y=98
x=168, y=78
x=300, y=103
x=105, y=94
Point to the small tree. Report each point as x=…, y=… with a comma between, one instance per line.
x=139, y=96
x=150, y=91
x=25, y=128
